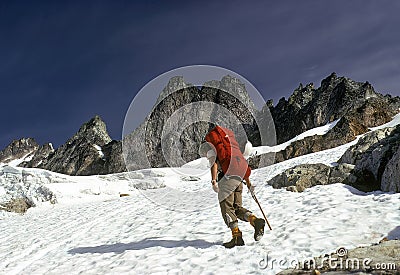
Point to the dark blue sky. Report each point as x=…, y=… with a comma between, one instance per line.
x=62, y=63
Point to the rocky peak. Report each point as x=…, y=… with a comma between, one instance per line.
x=82, y=153
x=233, y=86
x=330, y=81
x=91, y=150
x=308, y=108
x=228, y=93
x=176, y=83
x=18, y=149
x=369, y=91
x=344, y=86
x=302, y=95
x=95, y=131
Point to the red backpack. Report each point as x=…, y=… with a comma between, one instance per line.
x=228, y=152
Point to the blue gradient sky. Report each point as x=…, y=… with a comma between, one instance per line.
x=62, y=63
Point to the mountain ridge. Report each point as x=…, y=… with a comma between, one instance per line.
x=91, y=150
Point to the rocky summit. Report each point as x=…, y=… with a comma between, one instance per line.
x=18, y=149
x=90, y=151
x=355, y=105
x=205, y=105
x=308, y=107
x=336, y=98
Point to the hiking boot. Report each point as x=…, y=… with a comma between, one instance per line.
x=237, y=239
x=258, y=229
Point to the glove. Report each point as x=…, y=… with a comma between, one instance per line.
x=251, y=189
x=215, y=186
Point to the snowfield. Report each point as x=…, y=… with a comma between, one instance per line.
x=168, y=221
x=322, y=130
x=104, y=233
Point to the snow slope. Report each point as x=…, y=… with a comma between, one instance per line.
x=394, y=122
x=134, y=235
x=171, y=223
x=322, y=130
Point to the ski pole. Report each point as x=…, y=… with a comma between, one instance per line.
x=255, y=198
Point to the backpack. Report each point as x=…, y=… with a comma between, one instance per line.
x=228, y=152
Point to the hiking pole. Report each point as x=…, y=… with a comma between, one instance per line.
x=255, y=198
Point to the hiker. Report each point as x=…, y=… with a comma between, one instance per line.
x=228, y=170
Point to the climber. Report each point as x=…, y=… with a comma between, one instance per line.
x=223, y=152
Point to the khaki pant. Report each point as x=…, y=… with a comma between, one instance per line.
x=230, y=198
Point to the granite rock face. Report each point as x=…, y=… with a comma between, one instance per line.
x=298, y=178
x=355, y=152
x=183, y=115
x=39, y=156
x=371, y=164
x=301, y=177
x=18, y=149
x=337, y=97
x=376, y=159
x=390, y=180
x=354, y=123
x=90, y=151
x=357, y=106
x=113, y=160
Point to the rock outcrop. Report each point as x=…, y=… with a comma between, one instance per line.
x=113, y=160
x=371, y=164
x=19, y=205
x=376, y=159
x=390, y=180
x=38, y=156
x=298, y=178
x=22, y=189
x=18, y=149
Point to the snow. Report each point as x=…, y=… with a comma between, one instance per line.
x=328, y=157
x=248, y=150
x=168, y=221
x=25, y=183
x=312, y=132
x=16, y=162
x=135, y=235
x=98, y=148
x=201, y=164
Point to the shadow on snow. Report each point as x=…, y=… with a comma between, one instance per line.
x=355, y=191
x=394, y=234
x=143, y=244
